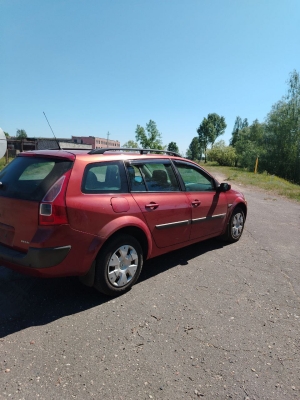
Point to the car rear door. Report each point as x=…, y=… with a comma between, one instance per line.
x=166, y=209
x=209, y=207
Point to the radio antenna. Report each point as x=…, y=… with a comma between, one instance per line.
x=52, y=131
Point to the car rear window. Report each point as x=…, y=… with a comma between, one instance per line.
x=29, y=178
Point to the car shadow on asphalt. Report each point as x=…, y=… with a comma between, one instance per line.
x=158, y=265
x=27, y=301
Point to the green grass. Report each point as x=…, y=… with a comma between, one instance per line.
x=270, y=183
x=3, y=162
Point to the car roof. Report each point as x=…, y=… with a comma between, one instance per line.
x=103, y=154
x=87, y=155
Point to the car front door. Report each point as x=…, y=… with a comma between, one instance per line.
x=209, y=207
x=165, y=207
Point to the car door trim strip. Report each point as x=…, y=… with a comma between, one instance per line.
x=197, y=220
x=218, y=216
x=173, y=224
x=187, y=222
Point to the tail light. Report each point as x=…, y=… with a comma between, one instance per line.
x=53, y=209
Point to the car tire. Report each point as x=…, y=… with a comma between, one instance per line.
x=235, y=226
x=118, y=265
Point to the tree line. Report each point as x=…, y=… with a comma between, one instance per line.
x=20, y=134
x=274, y=142
x=208, y=131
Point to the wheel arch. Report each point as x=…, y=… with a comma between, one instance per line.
x=233, y=207
x=131, y=225
x=242, y=206
x=119, y=226
x=135, y=232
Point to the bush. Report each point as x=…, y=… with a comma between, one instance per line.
x=224, y=155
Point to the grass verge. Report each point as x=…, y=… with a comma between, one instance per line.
x=271, y=183
x=3, y=162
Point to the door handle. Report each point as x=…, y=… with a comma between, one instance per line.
x=196, y=203
x=152, y=205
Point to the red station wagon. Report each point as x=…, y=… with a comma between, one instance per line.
x=99, y=214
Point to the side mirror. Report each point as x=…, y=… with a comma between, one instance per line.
x=224, y=187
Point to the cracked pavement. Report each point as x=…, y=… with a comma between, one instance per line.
x=210, y=321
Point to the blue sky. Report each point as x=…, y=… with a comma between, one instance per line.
x=99, y=66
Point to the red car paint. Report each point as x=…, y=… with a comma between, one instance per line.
x=160, y=220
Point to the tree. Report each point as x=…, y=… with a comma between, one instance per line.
x=149, y=138
x=238, y=125
x=219, y=125
x=21, y=134
x=256, y=131
x=277, y=141
x=6, y=134
x=204, y=136
x=210, y=128
x=247, y=150
x=172, y=146
x=131, y=144
x=250, y=145
x=194, y=151
x=282, y=134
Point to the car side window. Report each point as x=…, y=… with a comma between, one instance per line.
x=152, y=177
x=194, y=179
x=104, y=177
x=137, y=183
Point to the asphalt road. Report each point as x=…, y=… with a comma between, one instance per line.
x=211, y=321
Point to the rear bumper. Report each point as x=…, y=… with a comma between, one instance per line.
x=54, y=252
x=35, y=258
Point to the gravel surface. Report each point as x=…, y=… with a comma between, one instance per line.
x=211, y=321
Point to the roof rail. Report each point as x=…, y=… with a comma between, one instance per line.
x=141, y=151
x=71, y=148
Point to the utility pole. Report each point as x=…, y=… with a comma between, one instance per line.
x=107, y=139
